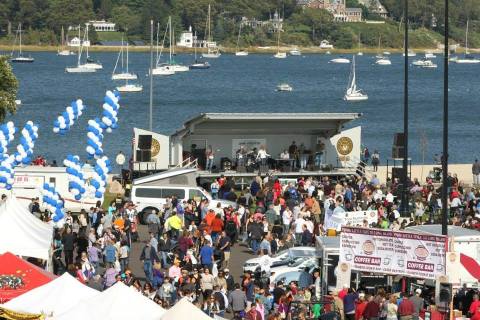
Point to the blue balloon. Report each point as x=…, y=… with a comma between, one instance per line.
x=98, y=194
x=26, y=160
x=70, y=171
x=46, y=186
x=8, y=187
x=58, y=205
x=78, y=197
x=3, y=180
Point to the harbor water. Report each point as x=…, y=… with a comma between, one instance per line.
x=247, y=84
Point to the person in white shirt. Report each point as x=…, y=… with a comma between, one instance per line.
x=287, y=219
x=285, y=155
x=299, y=222
x=262, y=155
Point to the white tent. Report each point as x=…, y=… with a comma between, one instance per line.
x=185, y=310
x=53, y=298
x=118, y=302
x=23, y=234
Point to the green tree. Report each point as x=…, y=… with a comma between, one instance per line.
x=125, y=18
x=8, y=89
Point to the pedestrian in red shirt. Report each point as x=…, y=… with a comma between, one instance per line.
x=360, y=305
x=474, y=305
x=372, y=310
x=342, y=293
x=406, y=309
x=217, y=227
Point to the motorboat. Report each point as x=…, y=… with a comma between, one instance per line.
x=429, y=65
x=429, y=55
x=383, y=61
x=241, y=53
x=295, y=52
x=18, y=102
x=179, y=67
x=386, y=53
x=424, y=63
x=284, y=87
x=360, y=53
x=340, y=60
x=65, y=53
x=200, y=65
x=130, y=88
x=353, y=93
x=328, y=52
x=410, y=53
x=280, y=55
x=324, y=44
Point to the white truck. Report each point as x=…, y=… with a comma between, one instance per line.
x=29, y=182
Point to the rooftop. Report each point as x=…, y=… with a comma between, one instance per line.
x=436, y=229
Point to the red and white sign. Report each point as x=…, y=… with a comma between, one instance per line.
x=393, y=252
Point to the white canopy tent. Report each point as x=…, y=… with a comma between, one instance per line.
x=185, y=310
x=53, y=298
x=118, y=302
x=23, y=234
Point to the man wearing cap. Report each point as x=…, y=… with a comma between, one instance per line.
x=417, y=303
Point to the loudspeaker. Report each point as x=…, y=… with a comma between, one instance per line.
x=144, y=142
x=399, y=140
x=398, y=151
x=144, y=155
x=397, y=173
x=241, y=169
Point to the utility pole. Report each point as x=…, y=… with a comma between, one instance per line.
x=405, y=200
x=150, y=123
x=445, y=128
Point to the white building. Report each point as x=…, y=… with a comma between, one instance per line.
x=75, y=42
x=186, y=39
x=102, y=25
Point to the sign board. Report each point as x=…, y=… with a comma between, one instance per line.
x=351, y=219
x=344, y=275
x=28, y=182
x=249, y=144
x=393, y=252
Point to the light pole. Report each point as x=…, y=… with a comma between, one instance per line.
x=445, y=128
x=150, y=123
x=405, y=200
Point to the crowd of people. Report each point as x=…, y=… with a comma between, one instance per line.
x=187, y=253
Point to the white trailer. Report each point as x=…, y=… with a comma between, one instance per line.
x=29, y=184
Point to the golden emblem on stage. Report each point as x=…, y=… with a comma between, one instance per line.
x=155, y=147
x=344, y=146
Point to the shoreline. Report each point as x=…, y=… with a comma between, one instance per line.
x=231, y=50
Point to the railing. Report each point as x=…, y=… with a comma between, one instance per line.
x=188, y=163
x=360, y=167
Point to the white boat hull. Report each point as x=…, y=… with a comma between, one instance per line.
x=23, y=60
x=467, y=61
x=383, y=62
x=280, y=55
x=163, y=71
x=179, y=68
x=95, y=66
x=340, y=60
x=130, y=88
x=211, y=55
x=18, y=102
x=65, y=53
x=79, y=69
x=295, y=53
x=355, y=97
x=430, y=56
x=124, y=76
x=241, y=53
x=360, y=54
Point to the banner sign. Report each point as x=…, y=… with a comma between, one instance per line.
x=351, y=219
x=393, y=252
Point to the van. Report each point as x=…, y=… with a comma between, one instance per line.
x=152, y=198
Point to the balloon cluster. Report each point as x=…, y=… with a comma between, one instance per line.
x=76, y=181
x=98, y=182
x=27, y=142
x=68, y=117
x=95, y=138
x=110, y=110
x=7, y=134
x=53, y=202
x=6, y=171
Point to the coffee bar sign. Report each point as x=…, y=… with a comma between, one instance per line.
x=393, y=252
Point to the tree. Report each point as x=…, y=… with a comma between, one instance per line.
x=8, y=89
x=125, y=18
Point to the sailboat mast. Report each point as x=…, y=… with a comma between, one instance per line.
x=466, y=39
x=20, y=31
x=239, y=31
x=170, y=37
x=195, y=45
x=86, y=36
x=79, y=46
x=127, y=56
x=62, y=36
x=209, y=22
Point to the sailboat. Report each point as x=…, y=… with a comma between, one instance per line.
x=279, y=55
x=62, y=51
x=92, y=64
x=20, y=58
x=240, y=53
x=468, y=58
x=80, y=68
x=197, y=64
x=162, y=69
x=353, y=93
x=359, y=53
x=212, y=50
x=381, y=59
x=173, y=64
x=124, y=74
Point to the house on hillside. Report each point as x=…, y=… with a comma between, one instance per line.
x=376, y=7
x=102, y=25
x=273, y=24
x=336, y=7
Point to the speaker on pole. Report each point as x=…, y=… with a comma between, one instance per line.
x=144, y=142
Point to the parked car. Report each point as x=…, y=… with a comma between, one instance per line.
x=283, y=257
x=299, y=264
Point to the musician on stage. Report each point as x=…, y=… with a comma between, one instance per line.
x=262, y=155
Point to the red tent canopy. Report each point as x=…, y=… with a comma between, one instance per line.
x=18, y=276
